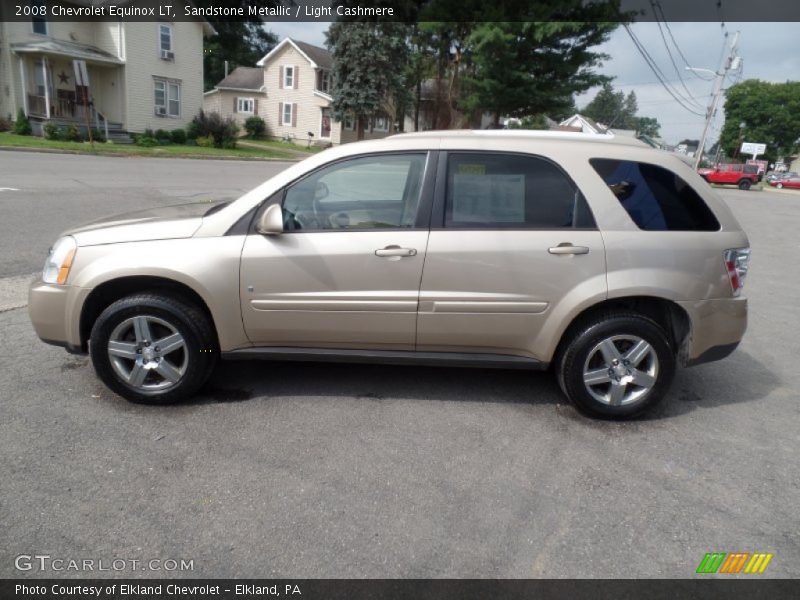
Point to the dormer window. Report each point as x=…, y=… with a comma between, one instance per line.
x=288, y=77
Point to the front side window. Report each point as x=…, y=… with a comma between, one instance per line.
x=288, y=77
x=371, y=192
x=654, y=197
x=165, y=38
x=167, y=98
x=287, y=113
x=511, y=191
x=381, y=124
x=245, y=105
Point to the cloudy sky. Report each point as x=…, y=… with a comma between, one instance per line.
x=770, y=51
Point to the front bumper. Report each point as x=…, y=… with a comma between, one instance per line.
x=51, y=310
x=717, y=327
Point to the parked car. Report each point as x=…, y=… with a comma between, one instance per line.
x=742, y=176
x=597, y=256
x=789, y=180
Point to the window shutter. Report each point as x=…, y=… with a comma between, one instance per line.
x=255, y=106
x=280, y=78
x=295, y=76
x=294, y=115
x=235, y=104
x=280, y=113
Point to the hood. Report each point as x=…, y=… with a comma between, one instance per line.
x=168, y=222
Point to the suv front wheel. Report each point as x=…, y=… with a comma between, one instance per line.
x=153, y=349
x=616, y=366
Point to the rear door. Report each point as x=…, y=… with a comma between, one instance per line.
x=511, y=237
x=346, y=270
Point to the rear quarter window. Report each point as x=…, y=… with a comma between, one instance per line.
x=654, y=197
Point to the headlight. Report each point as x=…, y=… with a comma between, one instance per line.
x=59, y=261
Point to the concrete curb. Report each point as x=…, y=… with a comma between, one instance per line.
x=124, y=155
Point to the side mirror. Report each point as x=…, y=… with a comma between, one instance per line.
x=271, y=221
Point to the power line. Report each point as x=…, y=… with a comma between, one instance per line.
x=657, y=72
x=672, y=59
x=672, y=37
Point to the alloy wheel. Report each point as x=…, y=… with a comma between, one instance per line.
x=621, y=370
x=148, y=354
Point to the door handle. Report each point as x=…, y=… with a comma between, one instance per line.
x=395, y=251
x=567, y=248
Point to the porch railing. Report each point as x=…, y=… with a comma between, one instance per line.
x=63, y=108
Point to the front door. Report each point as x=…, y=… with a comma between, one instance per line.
x=325, y=124
x=512, y=237
x=346, y=270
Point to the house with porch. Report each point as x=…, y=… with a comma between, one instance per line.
x=118, y=76
x=291, y=91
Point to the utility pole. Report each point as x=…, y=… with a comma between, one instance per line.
x=731, y=63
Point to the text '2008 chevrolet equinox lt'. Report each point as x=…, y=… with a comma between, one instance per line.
x=605, y=259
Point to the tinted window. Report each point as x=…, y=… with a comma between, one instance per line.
x=511, y=191
x=655, y=198
x=370, y=192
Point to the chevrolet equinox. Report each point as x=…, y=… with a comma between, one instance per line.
x=595, y=255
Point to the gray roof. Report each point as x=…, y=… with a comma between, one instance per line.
x=319, y=55
x=243, y=78
x=65, y=48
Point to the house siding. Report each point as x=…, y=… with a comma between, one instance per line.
x=222, y=102
x=141, y=40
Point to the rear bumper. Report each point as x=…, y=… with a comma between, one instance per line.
x=718, y=326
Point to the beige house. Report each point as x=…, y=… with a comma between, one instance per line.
x=135, y=75
x=291, y=91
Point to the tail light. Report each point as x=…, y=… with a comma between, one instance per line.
x=737, y=262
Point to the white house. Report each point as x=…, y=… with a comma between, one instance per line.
x=292, y=95
x=140, y=74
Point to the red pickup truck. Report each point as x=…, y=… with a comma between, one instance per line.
x=740, y=175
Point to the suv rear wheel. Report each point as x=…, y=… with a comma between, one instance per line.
x=745, y=184
x=153, y=349
x=616, y=366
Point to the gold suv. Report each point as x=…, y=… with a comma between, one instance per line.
x=598, y=256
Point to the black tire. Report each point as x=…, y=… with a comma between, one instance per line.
x=585, y=337
x=745, y=184
x=188, y=320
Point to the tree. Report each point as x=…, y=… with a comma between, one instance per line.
x=770, y=113
x=523, y=68
x=613, y=108
x=241, y=43
x=367, y=78
x=648, y=126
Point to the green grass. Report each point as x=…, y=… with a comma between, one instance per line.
x=175, y=151
x=281, y=145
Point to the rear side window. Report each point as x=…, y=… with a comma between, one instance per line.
x=654, y=197
x=511, y=191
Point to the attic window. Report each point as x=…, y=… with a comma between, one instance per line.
x=288, y=77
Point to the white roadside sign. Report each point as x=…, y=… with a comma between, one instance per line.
x=754, y=149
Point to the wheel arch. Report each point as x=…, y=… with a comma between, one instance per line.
x=112, y=290
x=669, y=315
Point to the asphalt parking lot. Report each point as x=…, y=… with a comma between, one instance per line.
x=315, y=470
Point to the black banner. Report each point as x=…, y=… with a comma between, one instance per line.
x=388, y=589
x=402, y=10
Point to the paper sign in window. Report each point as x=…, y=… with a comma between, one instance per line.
x=488, y=198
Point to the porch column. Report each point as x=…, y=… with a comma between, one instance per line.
x=24, y=84
x=46, y=88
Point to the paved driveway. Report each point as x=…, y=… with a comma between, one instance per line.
x=314, y=470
